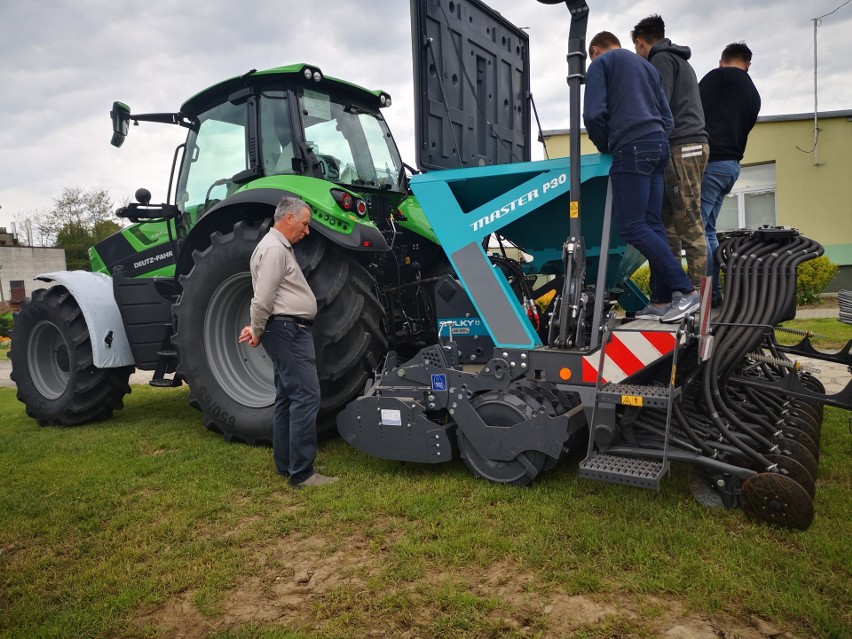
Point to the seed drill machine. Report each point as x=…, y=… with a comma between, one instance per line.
x=511, y=386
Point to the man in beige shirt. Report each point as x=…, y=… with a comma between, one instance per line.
x=282, y=313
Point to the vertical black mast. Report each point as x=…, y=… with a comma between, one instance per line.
x=571, y=316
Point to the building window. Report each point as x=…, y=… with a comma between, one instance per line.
x=18, y=290
x=751, y=203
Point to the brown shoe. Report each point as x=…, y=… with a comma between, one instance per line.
x=316, y=480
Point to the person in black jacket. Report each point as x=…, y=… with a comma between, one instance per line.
x=731, y=104
x=688, y=141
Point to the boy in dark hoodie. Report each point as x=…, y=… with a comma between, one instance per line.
x=688, y=142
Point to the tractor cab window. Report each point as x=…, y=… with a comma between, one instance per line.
x=276, y=134
x=351, y=142
x=214, y=155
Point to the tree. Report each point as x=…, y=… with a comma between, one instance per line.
x=77, y=220
x=76, y=208
x=76, y=240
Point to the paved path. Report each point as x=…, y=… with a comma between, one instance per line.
x=812, y=313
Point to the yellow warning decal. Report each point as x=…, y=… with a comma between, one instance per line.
x=575, y=208
x=631, y=400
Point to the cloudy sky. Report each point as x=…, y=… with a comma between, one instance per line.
x=63, y=63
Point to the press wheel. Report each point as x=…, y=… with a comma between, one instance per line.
x=777, y=500
x=499, y=409
x=795, y=471
x=791, y=432
x=798, y=451
x=806, y=425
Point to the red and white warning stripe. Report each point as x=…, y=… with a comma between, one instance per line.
x=627, y=353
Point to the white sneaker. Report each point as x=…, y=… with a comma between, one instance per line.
x=681, y=306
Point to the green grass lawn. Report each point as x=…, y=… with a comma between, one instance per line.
x=149, y=526
x=830, y=334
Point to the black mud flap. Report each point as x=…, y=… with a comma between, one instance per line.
x=394, y=428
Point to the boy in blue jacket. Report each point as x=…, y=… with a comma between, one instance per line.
x=626, y=114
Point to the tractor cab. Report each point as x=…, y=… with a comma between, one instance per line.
x=251, y=140
x=290, y=121
x=287, y=121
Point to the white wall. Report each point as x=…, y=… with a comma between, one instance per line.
x=24, y=263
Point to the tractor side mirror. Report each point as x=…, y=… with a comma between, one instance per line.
x=120, y=115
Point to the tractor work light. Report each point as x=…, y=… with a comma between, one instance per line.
x=308, y=74
x=317, y=76
x=385, y=100
x=350, y=203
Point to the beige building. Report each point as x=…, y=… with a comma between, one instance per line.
x=20, y=264
x=790, y=177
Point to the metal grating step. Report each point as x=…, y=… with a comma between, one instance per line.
x=653, y=326
x=629, y=471
x=637, y=395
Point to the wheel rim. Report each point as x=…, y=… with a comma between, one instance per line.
x=47, y=352
x=243, y=373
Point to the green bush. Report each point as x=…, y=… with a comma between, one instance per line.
x=6, y=322
x=642, y=279
x=812, y=277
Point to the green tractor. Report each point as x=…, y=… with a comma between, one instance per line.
x=170, y=291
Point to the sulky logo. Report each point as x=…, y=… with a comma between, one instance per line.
x=462, y=326
x=520, y=202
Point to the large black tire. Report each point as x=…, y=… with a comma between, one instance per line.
x=52, y=363
x=231, y=383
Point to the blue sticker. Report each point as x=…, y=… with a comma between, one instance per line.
x=439, y=382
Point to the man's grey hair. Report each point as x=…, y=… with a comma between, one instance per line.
x=292, y=205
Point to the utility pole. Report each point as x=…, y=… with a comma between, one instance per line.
x=817, y=23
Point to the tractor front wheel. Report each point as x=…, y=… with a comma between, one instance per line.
x=52, y=364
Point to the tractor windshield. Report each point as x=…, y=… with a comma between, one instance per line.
x=215, y=153
x=352, y=143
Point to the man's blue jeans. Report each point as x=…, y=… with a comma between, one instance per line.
x=719, y=178
x=297, y=398
x=637, y=199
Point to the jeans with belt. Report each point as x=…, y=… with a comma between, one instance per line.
x=297, y=398
x=637, y=199
x=719, y=178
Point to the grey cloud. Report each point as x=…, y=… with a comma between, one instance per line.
x=63, y=63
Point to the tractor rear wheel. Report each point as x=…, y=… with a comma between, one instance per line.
x=232, y=383
x=52, y=364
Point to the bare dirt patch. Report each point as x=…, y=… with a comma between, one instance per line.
x=293, y=581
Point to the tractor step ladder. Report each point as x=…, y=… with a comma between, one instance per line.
x=621, y=469
x=167, y=356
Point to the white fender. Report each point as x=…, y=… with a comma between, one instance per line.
x=93, y=293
